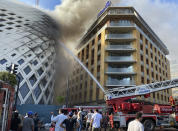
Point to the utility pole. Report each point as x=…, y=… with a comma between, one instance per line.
x=67, y=91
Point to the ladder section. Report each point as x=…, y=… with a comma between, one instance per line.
x=140, y=90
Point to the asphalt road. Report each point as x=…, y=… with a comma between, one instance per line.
x=157, y=129
x=166, y=129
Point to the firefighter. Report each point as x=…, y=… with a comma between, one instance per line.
x=172, y=102
x=111, y=120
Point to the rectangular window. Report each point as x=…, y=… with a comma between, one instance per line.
x=44, y=82
x=156, y=77
x=147, y=62
x=40, y=71
x=24, y=90
x=21, y=61
x=147, y=51
x=146, y=41
x=99, y=57
x=46, y=64
x=82, y=55
x=155, y=59
x=37, y=91
x=159, y=70
x=143, y=80
x=142, y=69
x=155, y=50
x=151, y=46
x=93, y=42
x=141, y=37
x=151, y=55
x=152, y=74
x=99, y=37
x=147, y=71
x=32, y=80
x=141, y=57
x=87, y=52
x=3, y=61
x=141, y=47
x=156, y=68
x=13, y=55
x=35, y=62
x=157, y=96
x=27, y=70
x=98, y=68
x=153, y=94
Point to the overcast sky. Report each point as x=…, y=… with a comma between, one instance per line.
x=161, y=16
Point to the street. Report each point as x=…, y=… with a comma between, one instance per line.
x=166, y=129
x=157, y=129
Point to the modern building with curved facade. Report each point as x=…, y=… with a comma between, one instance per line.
x=28, y=39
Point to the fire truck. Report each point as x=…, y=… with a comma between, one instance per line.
x=153, y=115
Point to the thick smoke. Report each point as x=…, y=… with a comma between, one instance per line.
x=74, y=17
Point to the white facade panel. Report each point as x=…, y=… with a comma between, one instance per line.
x=28, y=37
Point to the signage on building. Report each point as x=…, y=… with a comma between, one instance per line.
x=108, y=3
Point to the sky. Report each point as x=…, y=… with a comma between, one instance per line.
x=50, y=4
x=161, y=16
x=45, y=4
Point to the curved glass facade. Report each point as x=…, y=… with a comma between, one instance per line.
x=28, y=38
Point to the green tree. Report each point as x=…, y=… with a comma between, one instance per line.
x=60, y=99
x=8, y=78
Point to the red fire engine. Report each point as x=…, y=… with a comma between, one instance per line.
x=153, y=115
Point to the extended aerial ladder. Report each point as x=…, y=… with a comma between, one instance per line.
x=116, y=96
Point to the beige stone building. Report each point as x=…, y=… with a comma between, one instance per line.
x=120, y=50
x=174, y=75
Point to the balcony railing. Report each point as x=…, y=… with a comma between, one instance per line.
x=119, y=47
x=120, y=82
x=119, y=36
x=119, y=58
x=121, y=24
x=125, y=70
x=120, y=11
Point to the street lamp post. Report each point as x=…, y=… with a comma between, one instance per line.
x=67, y=91
x=16, y=96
